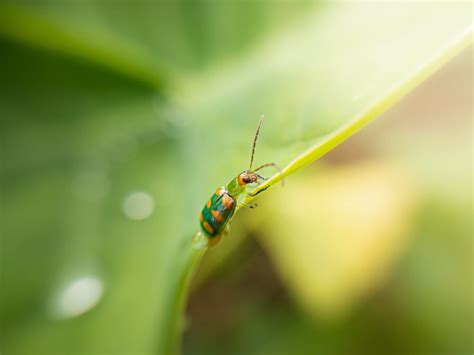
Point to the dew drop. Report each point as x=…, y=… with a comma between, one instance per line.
x=138, y=206
x=200, y=241
x=79, y=296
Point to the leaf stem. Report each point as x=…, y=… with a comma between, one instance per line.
x=169, y=336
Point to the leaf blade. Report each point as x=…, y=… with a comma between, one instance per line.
x=380, y=106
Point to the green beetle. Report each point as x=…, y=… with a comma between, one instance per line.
x=220, y=208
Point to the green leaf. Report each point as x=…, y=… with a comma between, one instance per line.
x=380, y=105
x=101, y=100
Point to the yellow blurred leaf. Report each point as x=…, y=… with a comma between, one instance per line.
x=336, y=235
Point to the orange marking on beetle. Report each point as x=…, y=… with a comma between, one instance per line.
x=240, y=180
x=217, y=215
x=220, y=191
x=201, y=218
x=209, y=203
x=208, y=227
x=227, y=201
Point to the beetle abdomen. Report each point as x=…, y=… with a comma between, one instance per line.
x=217, y=212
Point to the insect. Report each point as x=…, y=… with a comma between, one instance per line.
x=220, y=208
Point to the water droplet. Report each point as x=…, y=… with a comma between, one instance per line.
x=200, y=241
x=79, y=296
x=138, y=206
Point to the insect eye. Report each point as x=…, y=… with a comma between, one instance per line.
x=250, y=179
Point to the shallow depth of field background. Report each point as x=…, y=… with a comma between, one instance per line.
x=366, y=251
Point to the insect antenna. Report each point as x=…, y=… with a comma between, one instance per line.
x=267, y=165
x=255, y=140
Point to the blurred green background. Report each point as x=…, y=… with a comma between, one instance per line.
x=369, y=250
x=120, y=118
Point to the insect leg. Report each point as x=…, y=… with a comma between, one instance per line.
x=248, y=206
x=255, y=194
x=275, y=166
x=267, y=165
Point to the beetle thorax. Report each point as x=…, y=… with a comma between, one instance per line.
x=238, y=184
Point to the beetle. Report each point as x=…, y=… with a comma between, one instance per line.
x=220, y=208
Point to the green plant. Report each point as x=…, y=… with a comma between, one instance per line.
x=101, y=99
